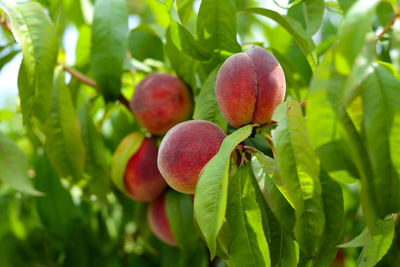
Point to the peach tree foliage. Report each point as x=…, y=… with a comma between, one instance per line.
x=322, y=176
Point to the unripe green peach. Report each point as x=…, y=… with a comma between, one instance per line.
x=142, y=180
x=184, y=151
x=158, y=221
x=161, y=101
x=249, y=86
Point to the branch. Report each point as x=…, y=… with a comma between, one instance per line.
x=387, y=26
x=86, y=80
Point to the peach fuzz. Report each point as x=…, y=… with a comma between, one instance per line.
x=249, y=86
x=184, y=151
x=161, y=101
x=142, y=180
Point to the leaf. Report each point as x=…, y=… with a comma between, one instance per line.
x=128, y=146
x=247, y=243
x=184, y=65
x=216, y=26
x=14, y=167
x=332, y=197
x=380, y=92
x=374, y=246
x=355, y=25
x=186, y=43
x=211, y=189
x=361, y=160
x=179, y=209
x=96, y=161
x=8, y=57
x=266, y=171
x=109, y=44
x=36, y=34
x=287, y=6
x=303, y=40
x=206, y=107
x=143, y=43
x=299, y=168
x=309, y=13
x=64, y=145
x=56, y=209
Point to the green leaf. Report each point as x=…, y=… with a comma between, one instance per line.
x=186, y=43
x=380, y=92
x=14, y=167
x=375, y=246
x=37, y=37
x=300, y=36
x=287, y=6
x=143, y=43
x=216, y=26
x=354, y=27
x=362, y=162
x=247, y=242
x=211, y=189
x=206, y=107
x=180, y=217
x=128, y=146
x=56, y=209
x=299, y=168
x=274, y=190
x=96, y=161
x=332, y=197
x=64, y=145
x=109, y=44
x=309, y=13
x=184, y=65
x=8, y=57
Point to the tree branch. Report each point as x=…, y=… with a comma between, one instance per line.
x=86, y=80
x=388, y=25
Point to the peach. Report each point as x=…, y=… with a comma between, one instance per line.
x=184, y=151
x=161, y=101
x=249, y=86
x=158, y=221
x=143, y=181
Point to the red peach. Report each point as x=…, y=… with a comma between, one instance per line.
x=249, y=87
x=184, y=151
x=142, y=180
x=161, y=101
x=158, y=220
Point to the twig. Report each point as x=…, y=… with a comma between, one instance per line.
x=271, y=145
x=86, y=80
x=388, y=25
x=79, y=76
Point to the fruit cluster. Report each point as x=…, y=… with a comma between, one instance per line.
x=249, y=86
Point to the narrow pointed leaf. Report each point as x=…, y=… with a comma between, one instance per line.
x=206, y=107
x=109, y=44
x=247, y=244
x=14, y=167
x=64, y=144
x=299, y=168
x=211, y=189
x=37, y=36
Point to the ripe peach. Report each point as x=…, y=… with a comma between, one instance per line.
x=158, y=221
x=249, y=87
x=160, y=101
x=142, y=180
x=184, y=151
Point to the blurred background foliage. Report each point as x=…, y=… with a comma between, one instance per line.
x=90, y=223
